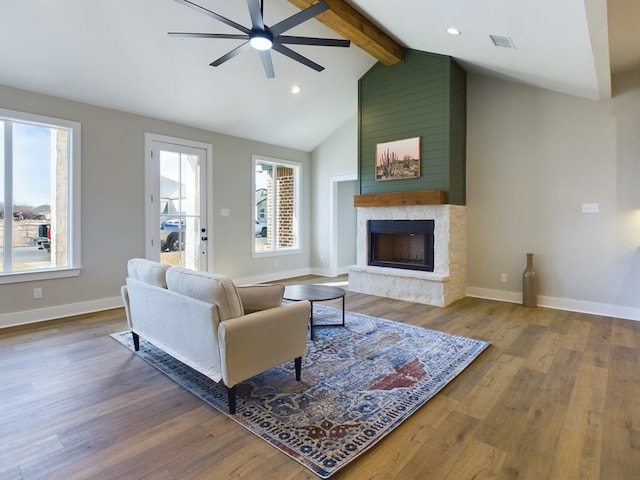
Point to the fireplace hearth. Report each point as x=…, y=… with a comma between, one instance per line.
x=406, y=244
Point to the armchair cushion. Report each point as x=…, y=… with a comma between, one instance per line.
x=256, y=298
x=209, y=287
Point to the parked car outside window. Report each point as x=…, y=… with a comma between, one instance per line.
x=172, y=234
x=261, y=229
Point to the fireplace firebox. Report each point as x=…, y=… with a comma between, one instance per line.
x=404, y=244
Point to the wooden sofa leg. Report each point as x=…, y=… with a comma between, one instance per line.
x=136, y=341
x=298, y=365
x=231, y=398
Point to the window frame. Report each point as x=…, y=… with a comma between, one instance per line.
x=275, y=250
x=74, y=205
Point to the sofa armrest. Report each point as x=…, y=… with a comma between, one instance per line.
x=254, y=343
x=255, y=298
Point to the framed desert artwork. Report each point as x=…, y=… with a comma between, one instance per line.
x=398, y=160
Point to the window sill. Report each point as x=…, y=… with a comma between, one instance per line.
x=31, y=276
x=274, y=253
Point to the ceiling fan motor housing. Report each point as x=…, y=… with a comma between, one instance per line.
x=261, y=39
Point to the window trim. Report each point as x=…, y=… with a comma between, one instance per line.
x=256, y=158
x=74, y=206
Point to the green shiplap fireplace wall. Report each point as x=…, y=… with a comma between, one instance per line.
x=423, y=96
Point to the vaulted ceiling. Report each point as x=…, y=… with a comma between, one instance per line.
x=117, y=54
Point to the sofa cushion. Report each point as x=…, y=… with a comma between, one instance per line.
x=209, y=287
x=147, y=271
x=256, y=298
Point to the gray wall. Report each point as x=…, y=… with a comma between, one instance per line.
x=336, y=157
x=113, y=207
x=533, y=158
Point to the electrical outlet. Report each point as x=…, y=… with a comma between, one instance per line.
x=37, y=293
x=503, y=277
x=590, y=208
x=277, y=263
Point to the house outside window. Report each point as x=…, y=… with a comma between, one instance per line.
x=39, y=197
x=276, y=199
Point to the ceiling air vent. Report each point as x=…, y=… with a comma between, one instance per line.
x=502, y=41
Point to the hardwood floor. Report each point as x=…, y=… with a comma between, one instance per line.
x=555, y=396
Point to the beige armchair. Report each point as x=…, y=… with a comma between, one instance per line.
x=228, y=333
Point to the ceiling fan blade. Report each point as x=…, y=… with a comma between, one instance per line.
x=323, y=42
x=231, y=36
x=298, y=18
x=256, y=14
x=230, y=55
x=297, y=57
x=265, y=55
x=220, y=18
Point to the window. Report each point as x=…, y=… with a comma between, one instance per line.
x=276, y=185
x=39, y=197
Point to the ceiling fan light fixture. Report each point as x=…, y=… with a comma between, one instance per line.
x=453, y=31
x=261, y=40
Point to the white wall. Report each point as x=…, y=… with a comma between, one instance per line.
x=335, y=159
x=533, y=158
x=113, y=207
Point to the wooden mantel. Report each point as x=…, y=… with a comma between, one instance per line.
x=399, y=199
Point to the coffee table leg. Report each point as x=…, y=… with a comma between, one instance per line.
x=343, y=310
x=311, y=321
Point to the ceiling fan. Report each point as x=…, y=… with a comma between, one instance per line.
x=264, y=38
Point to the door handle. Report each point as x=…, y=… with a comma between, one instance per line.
x=204, y=239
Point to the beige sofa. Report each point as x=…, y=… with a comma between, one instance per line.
x=227, y=333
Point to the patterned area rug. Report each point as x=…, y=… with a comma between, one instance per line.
x=358, y=384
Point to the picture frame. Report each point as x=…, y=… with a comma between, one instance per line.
x=398, y=159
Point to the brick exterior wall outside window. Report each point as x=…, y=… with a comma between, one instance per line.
x=285, y=207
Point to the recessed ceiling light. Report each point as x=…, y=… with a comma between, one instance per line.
x=296, y=89
x=453, y=31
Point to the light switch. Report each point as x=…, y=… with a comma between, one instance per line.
x=224, y=212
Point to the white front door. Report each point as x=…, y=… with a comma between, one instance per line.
x=176, y=200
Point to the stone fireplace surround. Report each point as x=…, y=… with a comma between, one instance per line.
x=446, y=284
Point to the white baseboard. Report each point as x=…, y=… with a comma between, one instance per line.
x=594, y=308
x=323, y=272
x=272, y=277
x=59, y=311
x=343, y=270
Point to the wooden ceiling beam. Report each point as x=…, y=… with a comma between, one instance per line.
x=352, y=25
